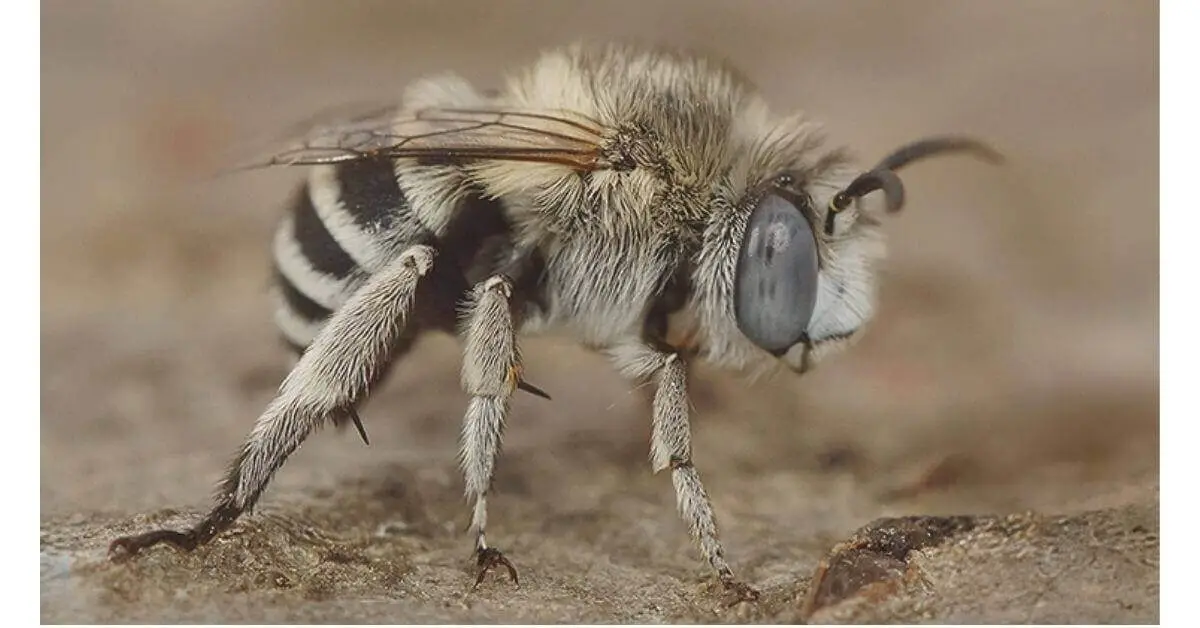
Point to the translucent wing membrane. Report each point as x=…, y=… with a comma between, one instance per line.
x=443, y=136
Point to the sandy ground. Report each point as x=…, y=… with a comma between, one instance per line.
x=1006, y=397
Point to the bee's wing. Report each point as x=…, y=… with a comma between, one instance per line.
x=441, y=135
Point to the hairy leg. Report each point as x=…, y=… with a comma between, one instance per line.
x=347, y=356
x=491, y=371
x=671, y=447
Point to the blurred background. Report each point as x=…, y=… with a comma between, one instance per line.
x=1013, y=364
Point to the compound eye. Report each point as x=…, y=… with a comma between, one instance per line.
x=775, y=288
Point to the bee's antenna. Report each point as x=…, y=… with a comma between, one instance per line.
x=883, y=175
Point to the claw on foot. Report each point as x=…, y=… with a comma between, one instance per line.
x=489, y=558
x=126, y=547
x=738, y=592
x=122, y=549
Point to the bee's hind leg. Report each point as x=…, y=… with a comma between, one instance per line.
x=491, y=371
x=347, y=356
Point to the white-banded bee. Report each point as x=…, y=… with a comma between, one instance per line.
x=644, y=202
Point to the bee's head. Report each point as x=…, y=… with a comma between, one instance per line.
x=804, y=279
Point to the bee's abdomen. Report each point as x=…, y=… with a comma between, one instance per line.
x=347, y=222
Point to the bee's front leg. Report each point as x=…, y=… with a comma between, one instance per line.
x=491, y=371
x=671, y=446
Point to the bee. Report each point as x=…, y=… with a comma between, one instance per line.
x=644, y=202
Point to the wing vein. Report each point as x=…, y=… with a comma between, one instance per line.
x=445, y=135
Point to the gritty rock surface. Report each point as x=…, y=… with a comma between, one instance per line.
x=1095, y=564
x=988, y=453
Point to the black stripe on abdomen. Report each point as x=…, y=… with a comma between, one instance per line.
x=370, y=193
x=316, y=244
x=299, y=302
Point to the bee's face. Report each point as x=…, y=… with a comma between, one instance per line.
x=789, y=272
x=804, y=280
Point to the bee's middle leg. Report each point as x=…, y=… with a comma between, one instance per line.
x=491, y=371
